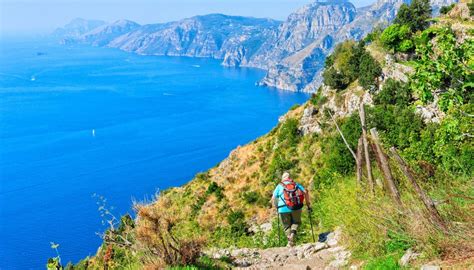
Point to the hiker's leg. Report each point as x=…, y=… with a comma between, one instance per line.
x=286, y=221
x=295, y=222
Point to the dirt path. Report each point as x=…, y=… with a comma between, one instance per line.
x=321, y=255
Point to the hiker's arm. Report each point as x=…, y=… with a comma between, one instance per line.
x=273, y=201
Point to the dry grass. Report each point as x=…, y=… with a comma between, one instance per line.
x=157, y=239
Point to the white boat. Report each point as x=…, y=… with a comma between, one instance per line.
x=93, y=133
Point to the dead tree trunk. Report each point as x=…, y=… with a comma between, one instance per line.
x=385, y=168
x=427, y=201
x=370, y=178
x=360, y=150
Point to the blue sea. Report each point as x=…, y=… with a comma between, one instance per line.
x=78, y=120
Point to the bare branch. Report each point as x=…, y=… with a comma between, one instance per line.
x=427, y=201
x=342, y=135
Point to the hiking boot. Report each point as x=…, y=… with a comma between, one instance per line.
x=291, y=239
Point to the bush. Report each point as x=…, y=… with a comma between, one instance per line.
x=254, y=198
x=369, y=71
x=416, y=15
x=398, y=126
x=445, y=68
x=278, y=165
x=317, y=99
x=288, y=134
x=349, y=62
x=471, y=8
x=216, y=189
x=341, y=65
x=236, y=220
x=334, y=79
x=394, y=36
x=446, y=9
x=337, y=160
x=393, y=93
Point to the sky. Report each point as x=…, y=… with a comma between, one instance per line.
x=43, y=16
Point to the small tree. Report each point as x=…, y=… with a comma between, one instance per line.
x=393, y=93
x=369, y=70
x=393, y=37
x=416, y=15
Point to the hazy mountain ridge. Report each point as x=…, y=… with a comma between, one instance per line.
x=292, y=52
x=77, y=27
x=211, y=35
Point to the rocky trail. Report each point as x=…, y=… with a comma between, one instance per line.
x=321, y=255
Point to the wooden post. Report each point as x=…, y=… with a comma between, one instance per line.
x=385, y=168
x=360, y=150
x=368, y=166
x=427, y=201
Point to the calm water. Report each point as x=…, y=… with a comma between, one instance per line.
x=78, y=120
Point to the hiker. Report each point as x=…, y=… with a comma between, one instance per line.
x=289, y=198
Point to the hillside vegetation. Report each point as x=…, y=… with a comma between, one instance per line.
x=414, y=80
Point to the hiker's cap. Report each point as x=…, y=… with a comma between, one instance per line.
x=285, y=176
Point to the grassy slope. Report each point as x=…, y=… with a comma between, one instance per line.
x=375, y=230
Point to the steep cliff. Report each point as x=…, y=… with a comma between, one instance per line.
x=292, y=52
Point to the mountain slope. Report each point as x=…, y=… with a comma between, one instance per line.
x=227, y=206
x=76, y=28
x=292, y=52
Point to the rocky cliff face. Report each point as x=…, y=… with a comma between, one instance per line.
x=104, y=34
x=292, y=52
x=231, y=38
x=77, y=27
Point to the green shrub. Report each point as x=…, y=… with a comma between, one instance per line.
x=398, y=126
x=342, y=65
x=446, y=9
x=369, y=71
x=334, y=79
x=278, y=166
x=393, y=93
x=348, y=62
x=254, y=198
x=288, y=134
x=388, y=262
x=446, y=68
x=416, y=15
x=394, y=35
x=406, y=45
x=317, y=99
x=236, y=220
x=216, y=189
x=398, y=242
x=471, y=8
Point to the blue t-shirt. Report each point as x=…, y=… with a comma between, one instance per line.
x=278, y=195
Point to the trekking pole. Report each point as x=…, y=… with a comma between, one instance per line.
x=311, y=222
x=279, y=237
